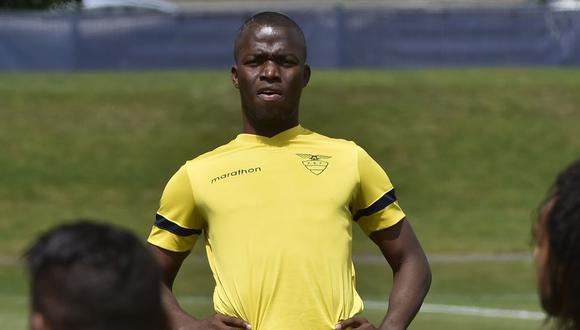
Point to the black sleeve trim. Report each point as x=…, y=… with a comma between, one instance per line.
x=386, y=200
x=174, y=228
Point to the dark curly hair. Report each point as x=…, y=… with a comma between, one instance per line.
x=562, y=229
x=91, y=276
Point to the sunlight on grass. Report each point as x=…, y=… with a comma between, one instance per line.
x=471, y=153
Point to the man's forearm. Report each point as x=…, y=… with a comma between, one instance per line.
x=176, y=315
x=411, y=283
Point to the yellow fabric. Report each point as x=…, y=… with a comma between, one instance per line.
x=277, y=218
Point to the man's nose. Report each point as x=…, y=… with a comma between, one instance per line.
x=270, y=71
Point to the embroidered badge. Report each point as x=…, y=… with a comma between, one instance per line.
x=314, y=163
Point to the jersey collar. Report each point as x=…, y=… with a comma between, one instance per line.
x=278, y=139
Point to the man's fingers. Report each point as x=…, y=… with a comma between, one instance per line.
x=234, y=322
x=353, y=322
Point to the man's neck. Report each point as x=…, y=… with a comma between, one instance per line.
x=268, y=129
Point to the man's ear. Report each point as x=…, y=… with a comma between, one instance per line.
x=38, y=322
x=235, y=76
x=307, y=73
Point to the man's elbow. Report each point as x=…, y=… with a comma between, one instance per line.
x=423, y=271
x=416, y=266
x=427, y=277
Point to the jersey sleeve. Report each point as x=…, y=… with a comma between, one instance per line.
x=374, y=206
x=178, y=223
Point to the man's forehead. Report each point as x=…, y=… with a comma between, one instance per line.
x=270, y=46
x=270, y=38
x=267, y=31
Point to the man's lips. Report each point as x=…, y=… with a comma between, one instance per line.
x=270, y=94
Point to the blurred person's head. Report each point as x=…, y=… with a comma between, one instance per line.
x=557, y=252
x=93, y=276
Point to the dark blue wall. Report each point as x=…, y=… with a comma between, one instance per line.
x=336, y=37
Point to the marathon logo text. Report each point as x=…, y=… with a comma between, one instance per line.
x=250, y=170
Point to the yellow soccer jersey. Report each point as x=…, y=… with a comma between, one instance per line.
x=277, y=217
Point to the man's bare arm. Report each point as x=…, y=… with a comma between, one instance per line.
x=411, y=273
x=170, y=263
x=411, y=278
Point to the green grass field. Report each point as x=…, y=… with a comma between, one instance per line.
x=471, y=152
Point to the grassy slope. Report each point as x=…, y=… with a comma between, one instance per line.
x=471, y=151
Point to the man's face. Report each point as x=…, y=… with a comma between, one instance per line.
x=270, y=73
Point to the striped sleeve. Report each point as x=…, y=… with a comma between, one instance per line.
x=374, y=205
x=177, y=222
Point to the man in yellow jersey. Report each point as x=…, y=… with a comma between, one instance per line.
x=276, y=207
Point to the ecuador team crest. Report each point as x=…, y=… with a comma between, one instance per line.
x=314, y=163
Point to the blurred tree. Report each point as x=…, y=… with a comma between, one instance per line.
x=37, y=4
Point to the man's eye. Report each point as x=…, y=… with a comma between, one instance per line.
x=288, y=61
x=253, y=61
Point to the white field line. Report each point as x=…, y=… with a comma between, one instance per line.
x=466, y=310
x=426, y=308
x=382, y=306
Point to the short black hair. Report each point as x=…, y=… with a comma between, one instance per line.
x=272, y=19
x=562, y=227
x=91, y=276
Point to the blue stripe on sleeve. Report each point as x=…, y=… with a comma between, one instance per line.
x=174, y=228
x=386, y=200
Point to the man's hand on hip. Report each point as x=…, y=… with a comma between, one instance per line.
x=216, y=322
x=356, y=322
